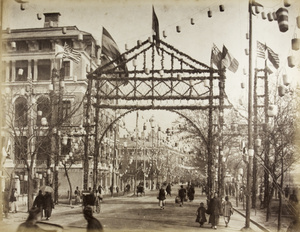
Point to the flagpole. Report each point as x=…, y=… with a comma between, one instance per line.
x=250, y=114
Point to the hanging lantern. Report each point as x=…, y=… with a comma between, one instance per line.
x=257, y=9
x=126, y=47
x=291, y=61
x=247, y=35
x=178, y=29
x=298, y=21
x=206, y=83
x=242, y=85
x=274, y=16
x=221, y=7
x=270, y=17
x=287, y=3
x=246, y=51
x=139, y=42
x=147, y=71
x=39, y=16
x=286, y=79
x=64, y=30
x=13, y=45
x=192, y=21
x=295, y=44
x=22, y=6
x=80, y=37
x=209, y=13
x=39, y=113
x=44, y=121
x=134, y=62
x=8, y=30
x=272, y=110
x=164, y=34
x=161, y=72
x=258, y=142
x=282, y=16
x=263, y=15
x=20, y=72
x=281, y=90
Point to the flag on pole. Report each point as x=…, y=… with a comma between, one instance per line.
x=263, y=50
x=59, y=50
x=216, y=56
x=155, y=28
x=229, y=61
x=71, y=54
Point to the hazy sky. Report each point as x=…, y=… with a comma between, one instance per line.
x=131, y=20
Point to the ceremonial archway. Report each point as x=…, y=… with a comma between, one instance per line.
x=154, y=75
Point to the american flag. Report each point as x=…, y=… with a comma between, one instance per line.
x=71, y=54
x=261, y=50
x=273, y=57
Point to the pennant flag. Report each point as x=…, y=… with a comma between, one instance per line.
x=216, y=56
x=263, y=49
x=229, y=61
x=71, y=54
x=155, y=28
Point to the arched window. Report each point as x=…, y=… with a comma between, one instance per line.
x=43, y=105
x=21, y=111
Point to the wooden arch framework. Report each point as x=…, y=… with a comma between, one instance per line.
x=154, y=75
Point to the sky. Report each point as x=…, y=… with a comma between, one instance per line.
x=131, y=20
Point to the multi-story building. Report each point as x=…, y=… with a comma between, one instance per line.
x=43, y=97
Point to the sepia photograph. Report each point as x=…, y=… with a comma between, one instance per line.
x=149, y=115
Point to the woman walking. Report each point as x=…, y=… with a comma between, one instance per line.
x=162, y=197
x=214, y=209
x=48, y=205
x=201, y=218
x=227, y=210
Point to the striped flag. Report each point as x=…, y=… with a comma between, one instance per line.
x=216, y=56
x=71, y=54
x=229, y=61
x=263, y=49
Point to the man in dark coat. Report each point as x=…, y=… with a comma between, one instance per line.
x=48, y=205
x=93, y=224
x=215, y=210
x=182, y=194
x=168, y=189
x=39, y=202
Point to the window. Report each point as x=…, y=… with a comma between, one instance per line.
x=21, y=46
x=43, y=104
x=20, y=147
x=66, y=110
x=43, y=144
x=21, y=112
x=21, y=70
x=44, y=70
x=45, y=45
x=66, y=65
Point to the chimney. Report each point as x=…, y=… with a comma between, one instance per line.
x=51, y=19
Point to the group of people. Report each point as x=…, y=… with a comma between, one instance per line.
x=44, y=203
x=215, y=209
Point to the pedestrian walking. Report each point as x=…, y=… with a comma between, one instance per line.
x=201, y=218
x=227, y=210
x=39, y=202
x=93, y=224
x=30, y=224
x=77, y=195
x=48, y=205
x=13, y=200
x=161, y=198
x=286, y=191
x=214, y=209
x=5, y=200
x=182, y=195
x=169, y=189
x=191, y=192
